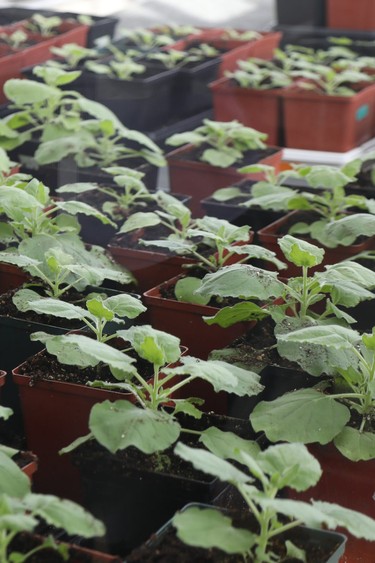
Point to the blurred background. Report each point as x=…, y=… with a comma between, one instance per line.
x=246, y=14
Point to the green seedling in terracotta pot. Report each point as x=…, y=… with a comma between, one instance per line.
x=341, y=285
x=30, y=210
x=46, y=26
x=151, y=424
x=133, y=193
x=173, y=58
x=99, y=310
x=341, y=411
x=14, y=40
x=224, y=143
x=337, y=220
x=59, y=264
x=277, y=467
x=259, y=75
x=21, y=511
x=146, y=39
x=240, y=35
x=58, y=119
x=177, y=30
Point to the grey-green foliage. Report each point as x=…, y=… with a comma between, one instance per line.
x=30, y=210
x=146, y=424
x=279, y=466
x=57, y=264
x=341, y=285
x=227, y=141
x=21, y=510
x=58, y=118
x=326, y=413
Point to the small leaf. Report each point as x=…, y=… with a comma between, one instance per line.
x=227, y=445
x=356, y=445
x=240, y=312
x=300, y=252
x=185, y=291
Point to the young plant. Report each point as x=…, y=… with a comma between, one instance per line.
x=336, y=220
x=226, y=142
x=59, y=119
x=30, y=211
x=14, y=40
x=240, y=35
x=44, y=25
x=21, y=511
x=59, y=264
x=71, y=55
x=124, y=69
x=133, y=192
x=98, y=312
x=259, y=75
x=343, y=410
x=280, y=466
x=341, y=285
x=330, y=81
x=146, y=39
x=177, y=30
x=148, y=425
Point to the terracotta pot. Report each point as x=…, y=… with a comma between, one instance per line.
x=260, y=109
x=310, y=120
x=199, y=179
x=11, y=277
x=269, y=236
x=148, y=267
x=346, y=14
x=28, y=463
x=10, y=67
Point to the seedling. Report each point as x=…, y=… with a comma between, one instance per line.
x=14, y=40
x=44, y=26
x=259, y=75
x=133, y=192
x=71, y=55
x=59, y=264
x=280, y=466
x=341, y=285
x=227, y=141
x=124, y=69
x=147, y=425
x=341, y=411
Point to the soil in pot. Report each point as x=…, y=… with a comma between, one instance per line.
x=165, y=547
x=133, y=499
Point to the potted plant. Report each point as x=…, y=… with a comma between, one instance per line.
x=53, y=135
x=22, y=511
x=347, y=357
x=325, y=214
x=152, y=426
x=207, y=159
x=251, y=93
x=176, y=244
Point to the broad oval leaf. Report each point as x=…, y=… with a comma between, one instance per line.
x=303, y=416
x=13, y=481
x=301, y=252
x=356, y=445
x=359, y=525
x=22, y=91
x=240, y=312
x=209, y=528
x=140, y=221
x=153, y=345
x=121, y=424
x=227, y=445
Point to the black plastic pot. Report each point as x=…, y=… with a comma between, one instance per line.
x=192, y=94
x=318, y=38
x=330, y=544
x=301, y=12
x=101, y=25
x=159, y=136
x=135, y=503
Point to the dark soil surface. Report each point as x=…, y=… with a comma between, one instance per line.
x=250, y=157
x=24, y=542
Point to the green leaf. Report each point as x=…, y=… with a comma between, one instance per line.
x=13, y=481
x=140, y=221
x=311, y=516
x=5, y=413
x=345, y=231
x=303, y=416
x=209, y=528
x=153, y=345
x=300, y=252
x=64, y=514
x=211, y=464
x=227, y=445
x=294, y=552
x=23, y=92
x=28, y=300
x=320, y=349
x=226, y=194
x=121, y=424
x=240, y=312
x=75, y=207
x=243, y=281
x=357, y=524
x=185, y=291
x=293, y=465
x=77, y=188
x=222, y=375
x=97, y=308
x=356, y=445
x=125, y=305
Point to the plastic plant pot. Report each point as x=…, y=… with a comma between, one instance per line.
x=301, y=12
x=346, y=14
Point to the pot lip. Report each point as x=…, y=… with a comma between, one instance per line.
x=147, y=254
x=225, y=86
x=293, y=93
x=155, y=538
